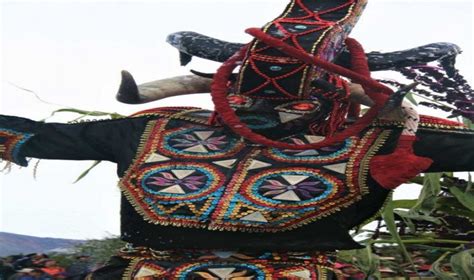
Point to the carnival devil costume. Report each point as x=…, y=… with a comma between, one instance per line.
x=281, y=171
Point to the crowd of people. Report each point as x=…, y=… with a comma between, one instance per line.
x=42, y=267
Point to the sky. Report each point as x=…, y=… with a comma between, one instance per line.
x=71, y=54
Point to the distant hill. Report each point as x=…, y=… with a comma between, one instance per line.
x=11, y=244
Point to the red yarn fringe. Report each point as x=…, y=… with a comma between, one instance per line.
x=340, y=107
x=392, y=170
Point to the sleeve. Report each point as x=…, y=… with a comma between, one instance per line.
x=97, y=140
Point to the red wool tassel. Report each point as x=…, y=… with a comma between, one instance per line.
x=394, y=169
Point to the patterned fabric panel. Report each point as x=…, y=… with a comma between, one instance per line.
x=325, y=154
x=318, y=27
x=194, y=175
x=258, y=270
x=10, y=144
x=274, y=194
x=148, y=264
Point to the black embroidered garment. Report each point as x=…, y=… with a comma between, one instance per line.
x=278, y=168
x=190, y=185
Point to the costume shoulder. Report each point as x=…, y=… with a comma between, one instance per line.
x=92, y=140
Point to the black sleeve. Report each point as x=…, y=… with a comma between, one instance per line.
x=96, y=140
x=450, y=150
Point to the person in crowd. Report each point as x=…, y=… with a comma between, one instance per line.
x=81, y=266
x=51, y=268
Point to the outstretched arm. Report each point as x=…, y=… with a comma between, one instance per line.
x=98, y=140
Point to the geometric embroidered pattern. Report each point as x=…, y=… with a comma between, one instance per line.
x=145, y=263
x=185, y=181
x=291, y=186
x=221, y=271
x=198, y=143
x=325, y=154
x=275, y=199
x=317, y=27
x=195, y=175
x=147, y=269
x=172, y=193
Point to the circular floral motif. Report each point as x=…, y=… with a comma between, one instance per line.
x=221, y=271
x=200, y=143
x=296, y=188
x=181, y=181
x=291, y=188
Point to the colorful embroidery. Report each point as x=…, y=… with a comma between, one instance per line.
x=282, y=199
x=196, y=116
x=316, y=28
x=295, y=186
x=199, y=142
x=221, y=271
x=145, y=263
x=143, y=269
x=172, y=193
x=180, y=181
x=325, y=154
x=10, y=144
x=256, y=189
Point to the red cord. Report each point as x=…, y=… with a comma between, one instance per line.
x=376, y=91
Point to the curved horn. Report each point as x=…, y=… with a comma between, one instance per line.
x=128, y=90
x=395, y=100
x=194, y=44
x=131, y=93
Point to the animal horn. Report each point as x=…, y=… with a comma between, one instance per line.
x=128, y=90
x=395, y=100
x=131, y=93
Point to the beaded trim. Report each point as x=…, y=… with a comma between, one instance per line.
x=428, y=122
x=191, y=114
x=10, y=145
x=162, y=111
